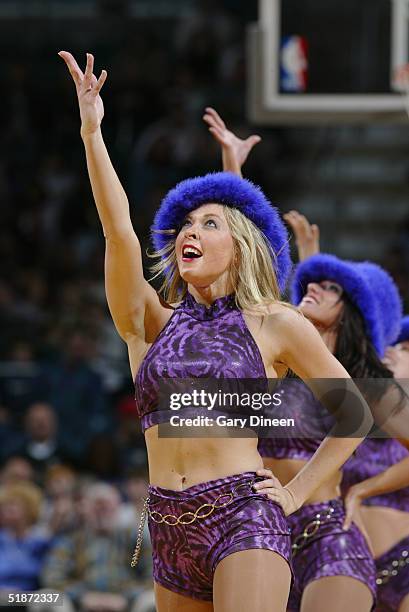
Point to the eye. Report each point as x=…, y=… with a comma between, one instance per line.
x=185, y=222
x=334, y=287
x=211, y=221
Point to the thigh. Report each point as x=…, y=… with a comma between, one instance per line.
x=404, y=605
x=169, y=601
x=255, y=579
x=336, y=593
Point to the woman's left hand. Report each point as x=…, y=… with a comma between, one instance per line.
x=275, y=491
x=352, y=503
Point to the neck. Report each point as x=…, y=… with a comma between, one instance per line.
x=207, y=295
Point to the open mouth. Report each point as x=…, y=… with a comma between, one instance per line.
x=309, y=299
x=190, y=252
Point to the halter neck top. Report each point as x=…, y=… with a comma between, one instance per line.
x=197, y=342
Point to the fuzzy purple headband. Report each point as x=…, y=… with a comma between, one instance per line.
x=367, y=285
x=230, y=190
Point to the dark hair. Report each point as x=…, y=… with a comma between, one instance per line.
x=354, y=348
x=356, y=352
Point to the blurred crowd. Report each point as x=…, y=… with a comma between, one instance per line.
x=73, y=464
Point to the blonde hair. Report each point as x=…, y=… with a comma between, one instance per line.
x=252, y=274
x=28, y=494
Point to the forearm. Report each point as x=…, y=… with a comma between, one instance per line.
x=327, y=460
x=109, y=195
x=394, y=478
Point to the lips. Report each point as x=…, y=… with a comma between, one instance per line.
x=310, y=299
x=190, y=252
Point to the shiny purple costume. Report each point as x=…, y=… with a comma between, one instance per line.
x=200, y=342
x=328, y=550
x=370, y=458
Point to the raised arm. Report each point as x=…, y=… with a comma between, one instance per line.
x=131, y=299
x=234, y=149
x=307, y=235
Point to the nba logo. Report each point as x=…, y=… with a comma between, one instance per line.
x=293, y=64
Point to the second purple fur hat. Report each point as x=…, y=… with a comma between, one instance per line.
x=367, y=285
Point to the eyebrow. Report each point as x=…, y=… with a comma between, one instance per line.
x=189, y=216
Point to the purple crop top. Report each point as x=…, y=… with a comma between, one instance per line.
x=196, y=342
x=373, y=456
x=308, y=415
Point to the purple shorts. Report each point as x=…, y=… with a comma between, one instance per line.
x=327, y=550
x=186, y=554
x=392, y=577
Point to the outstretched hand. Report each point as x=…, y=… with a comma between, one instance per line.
x=307, y=235
x=88, y=88
x=235, y=150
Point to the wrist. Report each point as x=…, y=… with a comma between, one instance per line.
x=88, y=135
x=297, y=503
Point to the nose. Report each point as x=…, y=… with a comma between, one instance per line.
x=313, y=288
x=192, y=232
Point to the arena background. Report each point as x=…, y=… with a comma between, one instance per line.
x=66, y=393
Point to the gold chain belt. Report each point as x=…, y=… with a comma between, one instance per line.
x=383, y=576
x=310, y=530
x=186, y=518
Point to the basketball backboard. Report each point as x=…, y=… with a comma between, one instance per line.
x=327, y=61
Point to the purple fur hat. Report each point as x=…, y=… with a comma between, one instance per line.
x=404, y=330
x=231, y=190
x=367, y=285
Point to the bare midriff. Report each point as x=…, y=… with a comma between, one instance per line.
x=286, y=469
x=385, y=527
x=179, y=463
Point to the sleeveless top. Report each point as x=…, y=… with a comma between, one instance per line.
x=312, y=423
x=371, y=457
x=197, y=342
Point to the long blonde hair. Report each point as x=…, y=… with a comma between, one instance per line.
x=252, y=274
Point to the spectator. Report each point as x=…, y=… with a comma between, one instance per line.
x=16, y=469
x=39, y=442
x=59, y=514
x=22, y=551
x=91, y=565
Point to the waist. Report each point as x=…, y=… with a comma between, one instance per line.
x=178, y=463
x=385, y=527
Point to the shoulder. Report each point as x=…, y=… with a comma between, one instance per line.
x=290, y=330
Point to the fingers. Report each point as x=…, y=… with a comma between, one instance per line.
x=315, y=232
x=299, y=223
x=253, y=140
x=271, y=480
x=349, y=511
x=214, y=115
x=73, y=67
x=100, y=82
x=89, y=70
x=218, y=134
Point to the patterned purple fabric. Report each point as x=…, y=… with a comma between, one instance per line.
x=395, y=587
x=185, y=557
x=330, y=551
x=197, y=342
x=370, y=458
x=307, y=413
